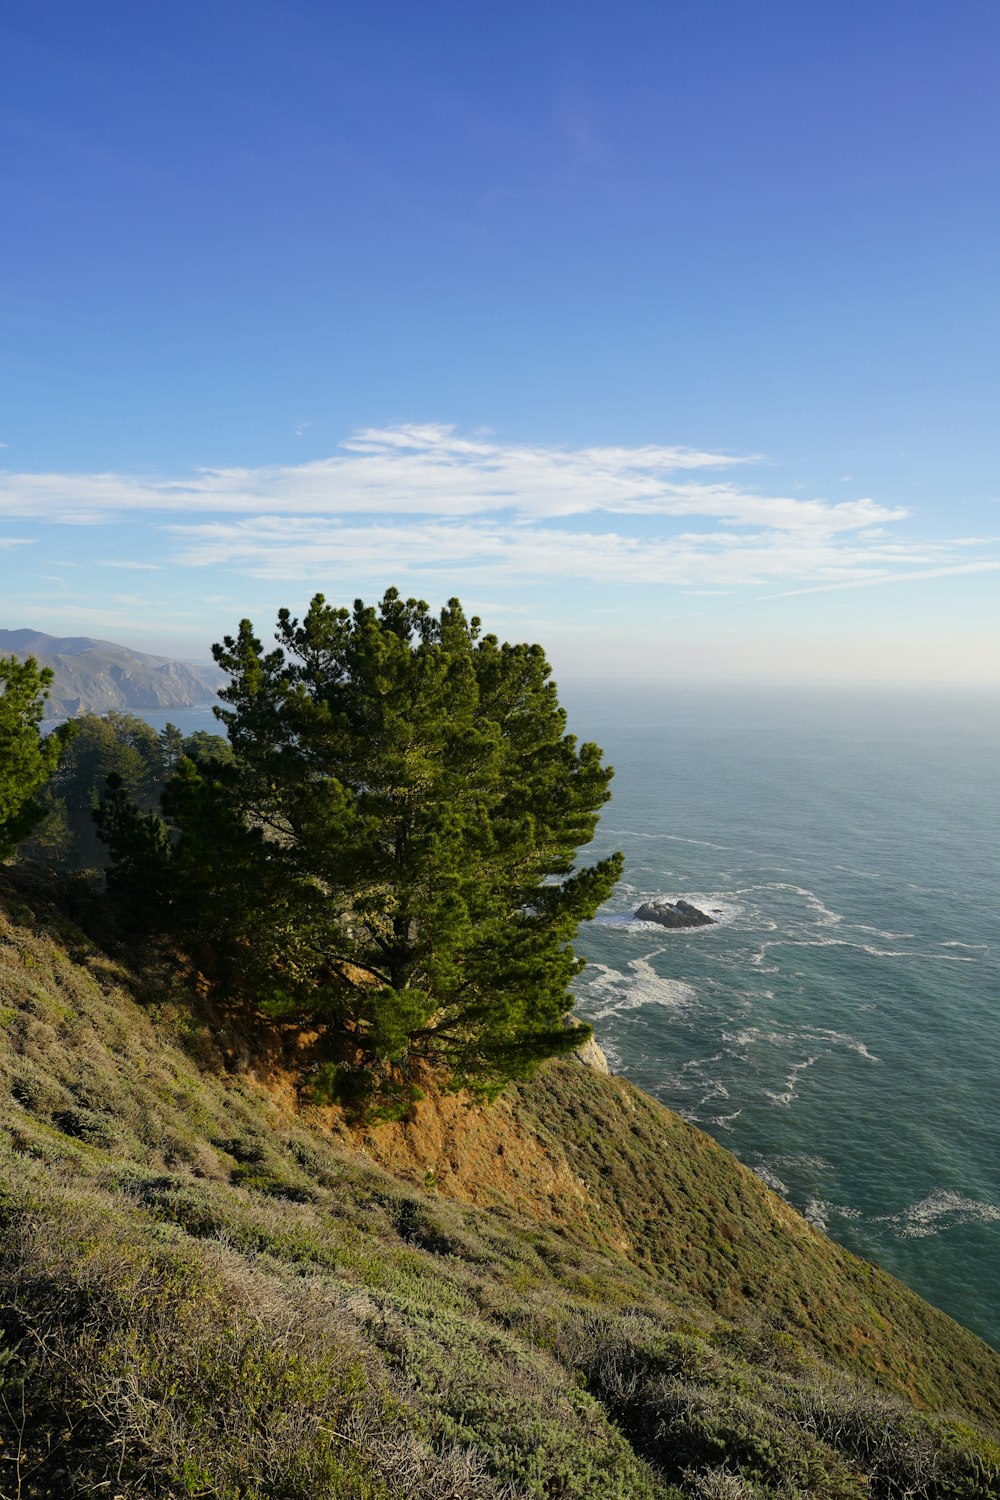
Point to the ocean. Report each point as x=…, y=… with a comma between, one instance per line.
x=839, y=1027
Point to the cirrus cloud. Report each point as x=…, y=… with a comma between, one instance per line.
x=427, y=503
x=281, y=547
x=432, y=470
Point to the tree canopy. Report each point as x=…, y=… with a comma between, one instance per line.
x=115, y=744
x=391, y=854
x=27, y=758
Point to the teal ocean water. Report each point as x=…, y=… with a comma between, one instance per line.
x=839, y=1029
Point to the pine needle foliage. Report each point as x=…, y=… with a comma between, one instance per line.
x=27, y=759
x=391, y=854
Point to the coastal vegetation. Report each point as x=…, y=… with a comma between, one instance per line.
x=115, y=744
x=209, y=1287
x=390, y=854
x=27, y=759
x=223, y=1273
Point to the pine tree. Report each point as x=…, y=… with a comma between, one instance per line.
x=114, y=747
x=391, y=854
x=27, y=758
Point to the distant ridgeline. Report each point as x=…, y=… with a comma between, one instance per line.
x=97, y=676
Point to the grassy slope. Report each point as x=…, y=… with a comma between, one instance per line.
x=695, y=1213
x=203, y=1293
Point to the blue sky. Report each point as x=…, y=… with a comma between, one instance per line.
x=666, y=335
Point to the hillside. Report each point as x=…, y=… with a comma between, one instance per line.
x=209, y=1289
x=94, y=676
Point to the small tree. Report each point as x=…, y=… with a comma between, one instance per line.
x=391, y=854
x=27, y=758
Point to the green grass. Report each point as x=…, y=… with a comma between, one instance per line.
x=203, y=1294
x=699, y=1220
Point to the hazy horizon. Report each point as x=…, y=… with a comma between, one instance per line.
x=629, y=672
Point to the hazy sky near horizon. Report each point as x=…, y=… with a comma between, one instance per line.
x=664, y=335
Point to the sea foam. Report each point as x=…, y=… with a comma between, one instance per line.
x=941, y=1209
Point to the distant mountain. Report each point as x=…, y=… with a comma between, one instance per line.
x=97, y=676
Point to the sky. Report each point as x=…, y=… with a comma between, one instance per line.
x=663, y=334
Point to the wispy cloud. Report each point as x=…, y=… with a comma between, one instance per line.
x=986, y=565
x=425, y=502
x=282, y=547
x=411, y=470
x=431, y=470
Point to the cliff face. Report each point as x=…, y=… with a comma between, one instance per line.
x=205, y=1288
x=94, y=676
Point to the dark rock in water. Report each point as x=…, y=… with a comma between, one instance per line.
x=674, y=914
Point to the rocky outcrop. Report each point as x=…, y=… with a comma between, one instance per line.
x=592, y=1057
x=588, y=1053
x=673, y=914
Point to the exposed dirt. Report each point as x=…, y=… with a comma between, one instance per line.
x=487, y=1156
